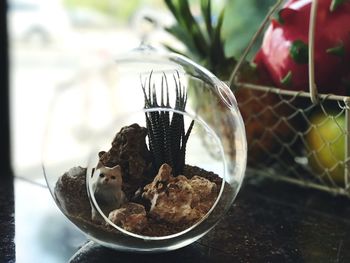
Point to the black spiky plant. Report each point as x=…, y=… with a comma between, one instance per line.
x=166, y=132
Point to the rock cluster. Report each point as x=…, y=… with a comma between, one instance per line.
x=130, y=151
x=179, y=199
x=130, y=216
x=164, y=206
x=70, y=192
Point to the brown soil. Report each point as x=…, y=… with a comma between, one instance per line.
x=154, y=227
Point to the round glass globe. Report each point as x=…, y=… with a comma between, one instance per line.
x=139, y=87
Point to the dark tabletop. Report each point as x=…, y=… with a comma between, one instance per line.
x=7, y=221
x=270, y=221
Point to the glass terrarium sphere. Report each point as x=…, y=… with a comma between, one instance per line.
x=137, y=161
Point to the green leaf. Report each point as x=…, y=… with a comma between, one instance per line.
x=179, y=33
x=217, y=34
x=174, y=50
x=206, y=12
x=287, y=79
x=217, y=48
x=335, y=4
x=174, y=10
x=193, y=28
x=299, y=52
x=279, y=17
x=338, y=50
x=285, y=14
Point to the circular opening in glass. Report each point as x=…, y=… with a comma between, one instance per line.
x=161, y=205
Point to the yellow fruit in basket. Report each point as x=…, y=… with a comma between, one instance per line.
x=326, y=142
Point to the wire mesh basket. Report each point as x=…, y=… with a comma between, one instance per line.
x=285, y=139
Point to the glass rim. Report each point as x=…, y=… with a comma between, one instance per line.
x=166, y=237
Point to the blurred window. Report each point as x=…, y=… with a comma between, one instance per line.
x=62, y=46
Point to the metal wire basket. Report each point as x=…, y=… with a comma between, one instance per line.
x=292, y=158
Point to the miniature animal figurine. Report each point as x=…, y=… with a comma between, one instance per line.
x=107, y=189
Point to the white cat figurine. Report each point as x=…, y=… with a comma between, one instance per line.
x=107, y=189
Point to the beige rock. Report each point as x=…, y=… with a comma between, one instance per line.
x=205, y=192
x=159, y=182
x=179, y=199
x=130, y=216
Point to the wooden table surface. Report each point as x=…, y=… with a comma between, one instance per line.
x=270, y=221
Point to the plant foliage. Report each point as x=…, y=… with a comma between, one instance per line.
x=166, y=133
x=202, y=36
x=204, y=43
